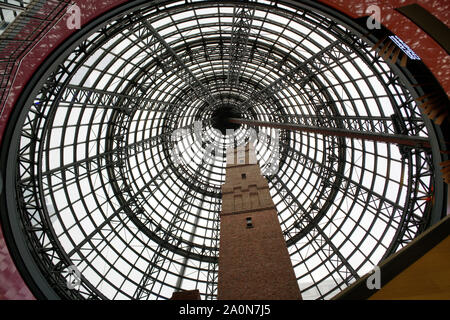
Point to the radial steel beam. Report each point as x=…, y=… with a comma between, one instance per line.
x=316, y=226
x=185, y=74
x=411, y=141
x=240, y=32
x=80, y=95
x=130, y=149
x=172, y=231
x=181, y=275
x=295, y=75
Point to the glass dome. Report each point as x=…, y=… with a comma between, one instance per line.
x=110, y=166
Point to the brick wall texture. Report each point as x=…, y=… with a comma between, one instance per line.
x=254, y=263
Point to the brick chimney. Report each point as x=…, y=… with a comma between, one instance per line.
x=254, y=263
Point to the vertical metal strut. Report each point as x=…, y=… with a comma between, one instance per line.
x=240, y=32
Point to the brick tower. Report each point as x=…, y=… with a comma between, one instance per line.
x=254, y=263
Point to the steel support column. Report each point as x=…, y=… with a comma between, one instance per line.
x=416, y=141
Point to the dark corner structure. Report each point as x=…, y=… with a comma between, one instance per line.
x=113, y=138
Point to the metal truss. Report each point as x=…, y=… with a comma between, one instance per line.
x=345, y=270
x=109, y=168
x=295, y=75
x=146, y=286
x=240, y=33
x=176, y=65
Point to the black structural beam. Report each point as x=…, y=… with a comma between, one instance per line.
x=411, y=141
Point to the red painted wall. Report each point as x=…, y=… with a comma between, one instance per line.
x=437, y=60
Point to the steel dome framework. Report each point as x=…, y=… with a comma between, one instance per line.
x=103, y=183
